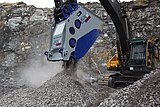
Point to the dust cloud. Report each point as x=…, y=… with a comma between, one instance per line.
x=82, y=75
x=39, y=71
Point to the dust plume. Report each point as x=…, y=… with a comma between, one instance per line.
x=83, y=77
x=39, y=71
x=85, y=74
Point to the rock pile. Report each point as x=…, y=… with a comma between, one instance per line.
x=61, y=91
x=143, y=93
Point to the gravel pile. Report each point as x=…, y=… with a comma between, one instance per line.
x=61, y=91
x=143, y=93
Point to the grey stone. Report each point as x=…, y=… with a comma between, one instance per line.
x=14, y=22
x=38, y=15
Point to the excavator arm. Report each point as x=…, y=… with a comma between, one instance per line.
x=118, y=16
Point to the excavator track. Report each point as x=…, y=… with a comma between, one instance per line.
x=103, y=80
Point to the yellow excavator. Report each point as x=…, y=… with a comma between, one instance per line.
x=77, y=28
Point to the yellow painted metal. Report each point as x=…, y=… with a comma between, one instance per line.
x=96, y=65
x=113, y=63
x=153, y=58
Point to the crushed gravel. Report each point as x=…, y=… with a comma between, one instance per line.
x=143, y=93
x=60, y=91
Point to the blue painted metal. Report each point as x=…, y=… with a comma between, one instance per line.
x=67, y=11
x=66, y=33
x=85, y=43
x=75, y=5
x=72, y=42
x=78, y=24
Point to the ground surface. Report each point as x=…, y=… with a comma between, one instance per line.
x=62, y=90
x=143, y=93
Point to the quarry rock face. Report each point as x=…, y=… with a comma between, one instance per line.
x=38, y=15
x=24, y=32
x=19, y=30
x=145, y=22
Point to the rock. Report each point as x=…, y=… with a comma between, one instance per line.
x=14, y=22
x=38, y=15
x=60, y=91
x=5, y=34
x=143, y=93
x=10, y=60
x=19, y=40
x=144, y=22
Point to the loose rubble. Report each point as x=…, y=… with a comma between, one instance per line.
x=143, y=93
x=61, y=91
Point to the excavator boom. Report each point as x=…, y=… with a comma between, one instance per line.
x=118, y=16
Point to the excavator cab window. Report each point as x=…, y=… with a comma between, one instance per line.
x=138, y=54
